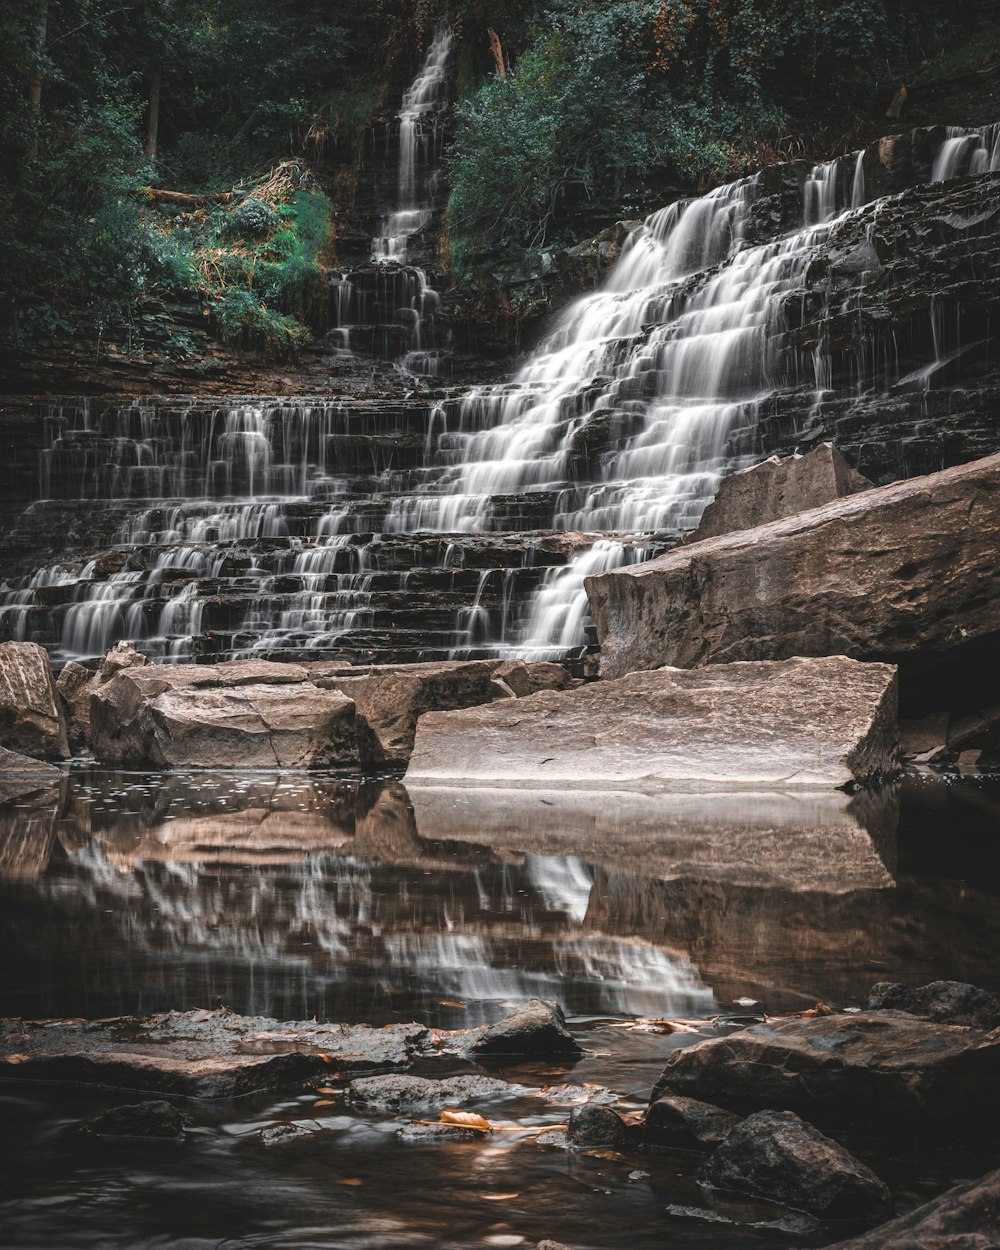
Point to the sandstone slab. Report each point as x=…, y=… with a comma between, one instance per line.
x=777, y=487
x=884, y=1070
x=31, y=716
x=803, y=723
x=883, y=574
x=966, y=1217
x=777, y=1156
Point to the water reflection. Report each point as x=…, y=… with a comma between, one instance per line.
x=293, y=895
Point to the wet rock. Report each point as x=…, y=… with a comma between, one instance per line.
x=156, y=1119
x=964, y=1218
x=597, y=1126
x=883, y=1070
x=283, y=1134
x=413, y=1093
x=552, y=1245
x=20, y=774
x=533, y=1028
x=946, y=1002
x=777, y=487
x=31, y=717
x=239, y=715
x=777, y=1156
x=884, y=574
x=437, y=1133
x=687, y=1124
x=822, y=722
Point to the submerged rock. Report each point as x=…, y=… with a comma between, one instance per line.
x=964, y=1218
x=884, y=574
x=687, y=1124
x=437, y=1133
x=792, y=723
x=777, y=1156
x=31, y=717
x=411, y=1093
x=533, y=1028
x=156, y=1119
x=946, y=1002
x=777, y=487
x=884, y=1070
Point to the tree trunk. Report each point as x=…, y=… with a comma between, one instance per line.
x=497, y=50
x=35, y=90
x=153, y=124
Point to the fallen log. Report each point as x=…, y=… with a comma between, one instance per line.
x=184, y=197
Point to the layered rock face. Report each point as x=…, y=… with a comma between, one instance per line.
x=904, y=572
x=798, y=723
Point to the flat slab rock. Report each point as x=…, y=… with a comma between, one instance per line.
x=792, y=723
x=200, y=1054
x=884, y=1070
x=964, y=1218
x=883, y=573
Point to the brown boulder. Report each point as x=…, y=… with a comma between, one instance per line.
x=77, y=683
x=885, y=1070
x=886, y=574
x=777, y=487
x=31, y=717
x=801, y=723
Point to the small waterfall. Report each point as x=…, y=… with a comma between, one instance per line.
x=966, y=152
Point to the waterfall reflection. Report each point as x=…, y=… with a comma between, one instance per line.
x=290, y=895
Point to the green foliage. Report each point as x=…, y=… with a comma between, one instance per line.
x=253, y=219
x=243, y=321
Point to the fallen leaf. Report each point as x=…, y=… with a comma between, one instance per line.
x=110, y=1019
x=322, y=1089
x=451, y=1002
x=349, y=1180
x=466, y=1119
x=498, y=1197
x=324, y=1102
x=15, y=1058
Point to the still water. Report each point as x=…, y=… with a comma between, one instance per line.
x=297, y=896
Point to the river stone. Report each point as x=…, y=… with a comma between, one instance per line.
x=237, y=715
x=777, y=1156
x=686, y=1124
x=596, y=1126
x=777, y=487
x=157, y=1119
x=819, y=722
x=964, y=1218
x=883, y=1070
x=946, y=1002
x=533, y=1028
x=437, y=1133
x=394, y=1092
x=31, y=716
x=883, y=574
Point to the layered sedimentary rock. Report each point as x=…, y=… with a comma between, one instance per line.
x=797, y=723
x=31, y=718
x=883, y=574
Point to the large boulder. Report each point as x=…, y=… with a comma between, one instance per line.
x=884, y=1070
x=777, y=1156
x=777, y=487
x=245, y=714
x=885, y=574
x=31, y=717
x=964, y=1218
x=76, y=684
x=800, y=723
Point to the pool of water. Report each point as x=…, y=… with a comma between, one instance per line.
x=299, y=896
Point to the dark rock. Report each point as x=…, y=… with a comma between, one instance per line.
x=284, y=1134
x=687, y=1124
x=413, y=1093
x=597, y=1126
x=884, y=1070
x=884, y=574
x=31, y=717
x=777, y=487
x=964, y=1218
x=946, y=1002
x=823, y=722
x=437, y=1133
x=777, y=1156
x=140, y=1119
x=533, y=1028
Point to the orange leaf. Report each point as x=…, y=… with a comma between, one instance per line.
x=15, y=1058
x=324, y=1102
x=451, y=1002
x=466, y=1119
x=349, y=1180
x=497, y=1197
x=322, y=1089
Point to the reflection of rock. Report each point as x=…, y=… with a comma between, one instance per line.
x=777, y=1156
x=20, y=774
x=31, y=717
x=884, y=1069
x=811, y=841
x=793, y=723
x=27, y=834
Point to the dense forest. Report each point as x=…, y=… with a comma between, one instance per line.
x=207, y=148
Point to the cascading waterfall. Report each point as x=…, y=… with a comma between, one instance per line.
x=397, y=529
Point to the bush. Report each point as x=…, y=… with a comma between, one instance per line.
x=253, y=219
x=243, y=321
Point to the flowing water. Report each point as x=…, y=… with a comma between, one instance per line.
x=303, y=896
